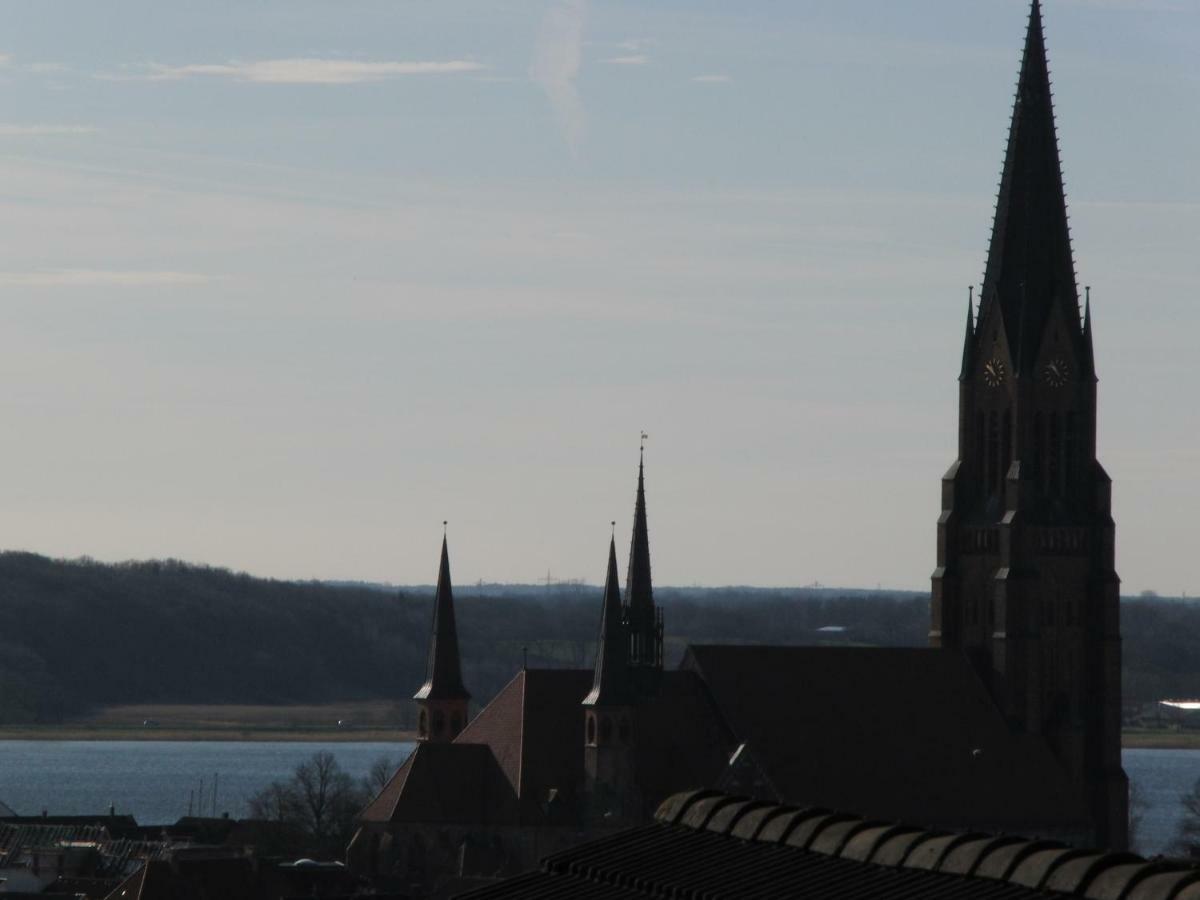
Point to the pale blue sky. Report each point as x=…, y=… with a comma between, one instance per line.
x=286, y=284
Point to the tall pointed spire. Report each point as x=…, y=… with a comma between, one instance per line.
x=443, y=676
x=610, y=685
x=1029, y=266
x=645, y=623
x=639, y=591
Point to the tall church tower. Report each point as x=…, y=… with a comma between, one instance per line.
x=644, y=618
x=1025, y=582
x=442, y=701
x=609, y=711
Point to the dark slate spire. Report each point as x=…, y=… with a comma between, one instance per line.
x=639, y=592
x=610, y=686
x=443, y=679
x=645, y=624
x=1029, y=266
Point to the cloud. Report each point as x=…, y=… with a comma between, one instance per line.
x=556, y=66
x=711, y=79
x=98, y=278
x=8, y=129
x=45, y=68
x=638, y=59
x=306, y=70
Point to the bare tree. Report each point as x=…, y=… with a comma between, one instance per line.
x=381, y=773
x=1187, y=839
x=320, y=801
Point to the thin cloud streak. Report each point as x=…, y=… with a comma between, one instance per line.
x=99, y=278
x=556, y=66
x=305, y=70
x=8, y=129
x=639, y=59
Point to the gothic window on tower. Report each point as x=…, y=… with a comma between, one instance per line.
x=993, y=454
x=979, y=445
x=591, y=729
x=1071, y=460
x=423, y=724
x=1006, y=445
x=1053, y=456
x=439, y=723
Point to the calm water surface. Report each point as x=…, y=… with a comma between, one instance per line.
x=152, y=780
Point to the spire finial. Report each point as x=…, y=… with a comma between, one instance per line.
x=445, y=527
x=642, y=446
x=614, y=529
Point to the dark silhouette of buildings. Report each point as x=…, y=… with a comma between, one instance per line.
x=709, y=845
x=1025, y=581
x=1008, y=723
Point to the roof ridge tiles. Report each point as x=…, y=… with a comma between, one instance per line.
x=1047, y=866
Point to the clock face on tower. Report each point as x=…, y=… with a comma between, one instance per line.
x=1055, y=372
x=993, y=372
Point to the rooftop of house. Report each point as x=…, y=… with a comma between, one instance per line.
x=712, y=845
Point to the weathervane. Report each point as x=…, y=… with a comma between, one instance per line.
x=642, y=448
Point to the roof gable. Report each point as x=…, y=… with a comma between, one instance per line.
x=907, y=734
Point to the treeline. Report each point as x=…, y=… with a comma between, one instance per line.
x=79, y=634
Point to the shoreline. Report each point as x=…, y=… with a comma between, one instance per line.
x=1130, y=740
x=191, y=735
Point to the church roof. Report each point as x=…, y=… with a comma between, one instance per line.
x=898, y=733
x=442, y=783
x=610, y=683
x=443, y=680
x=708, y=845
x=1029, y=265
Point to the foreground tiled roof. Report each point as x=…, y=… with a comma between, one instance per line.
x=709, y=845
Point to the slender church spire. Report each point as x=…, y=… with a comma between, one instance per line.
x=610, y=685
x=645, y=623
x=968, y=359
x=1029, y=266
x=443, y=698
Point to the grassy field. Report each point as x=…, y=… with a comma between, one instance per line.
x=1160, y=739
x=356, y=721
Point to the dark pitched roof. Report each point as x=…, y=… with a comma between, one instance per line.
x=710, y=845
x=610, y=683
x=907, y=734
x=443, y=680
x=5, y=811
x=682, y=741
x=1029, y=266
x=442, y=783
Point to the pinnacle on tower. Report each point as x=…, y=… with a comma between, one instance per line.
x=443, y=679
x=610, y=686
x=1029, y=266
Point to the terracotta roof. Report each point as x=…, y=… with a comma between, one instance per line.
x=524, y=746
x=710, y=845
x=441, y=783
x=443, y=679
x=908, y=734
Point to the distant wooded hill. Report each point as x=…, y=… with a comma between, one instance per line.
x=76, y=634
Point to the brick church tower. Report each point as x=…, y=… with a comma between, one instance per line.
x=628, y=670
x=1025, y=582
x=442, y=701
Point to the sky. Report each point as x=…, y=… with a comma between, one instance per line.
x=285, y=285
